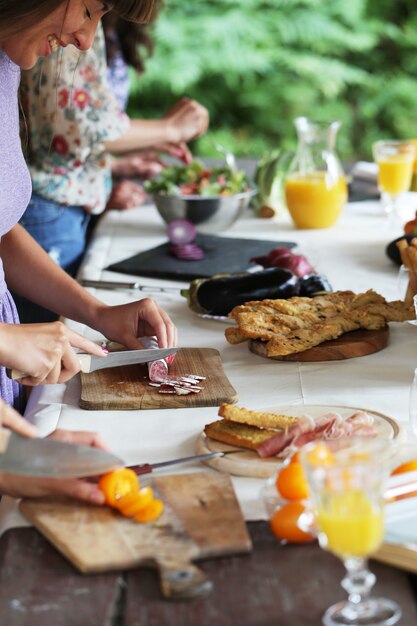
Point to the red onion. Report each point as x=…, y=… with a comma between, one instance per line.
x=283, y=257
x=181, y=232
x=187, y=252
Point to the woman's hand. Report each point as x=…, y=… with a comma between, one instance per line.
x=186, y=120
x=125, y=194
x=143, y=318
x=13, y=420
x=44, y=352
x=28, y=487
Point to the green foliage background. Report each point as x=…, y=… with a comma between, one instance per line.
x=257, y=64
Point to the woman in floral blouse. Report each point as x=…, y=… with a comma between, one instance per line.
x=73, y=122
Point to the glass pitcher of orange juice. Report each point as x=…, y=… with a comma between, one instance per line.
x=315, y=185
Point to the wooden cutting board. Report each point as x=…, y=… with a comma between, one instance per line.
x=249, y=463
x=202, y=519
x=117, y=388
x=347, y=346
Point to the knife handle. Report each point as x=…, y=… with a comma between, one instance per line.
x=146, y=468
x=84, y=361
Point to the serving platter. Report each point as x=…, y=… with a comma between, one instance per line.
x=348, y=346
x=248, y=463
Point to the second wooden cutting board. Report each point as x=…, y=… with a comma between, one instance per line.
x=118, y=388
x=202, y=519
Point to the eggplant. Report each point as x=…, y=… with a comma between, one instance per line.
x=313, y=285
x=219, y=294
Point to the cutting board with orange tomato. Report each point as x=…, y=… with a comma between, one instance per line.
x=201, y=519
x=117, y=388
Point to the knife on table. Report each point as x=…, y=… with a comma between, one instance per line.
x=147, y=468
x=114, y=285
x=91, y=363
x=52, y=458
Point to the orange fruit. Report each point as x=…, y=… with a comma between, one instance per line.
x=284, y=524
x=151, y=512
x=118, y=484
x=320, y=455
x=408, y=466
x=131, y=505
x=291, y=482
x=295, y=457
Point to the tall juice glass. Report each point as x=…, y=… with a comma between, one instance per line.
x=346, y=487
x=395, y=160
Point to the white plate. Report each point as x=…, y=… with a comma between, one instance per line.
x=216, y=318
x=248, y=463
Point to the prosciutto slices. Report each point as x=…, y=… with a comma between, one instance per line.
x=328, y=427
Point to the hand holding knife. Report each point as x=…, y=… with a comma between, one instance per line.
x=91, y=363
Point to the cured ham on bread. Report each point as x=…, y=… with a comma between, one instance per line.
x=271, y=434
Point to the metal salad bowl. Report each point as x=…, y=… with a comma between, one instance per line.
x=209, y=214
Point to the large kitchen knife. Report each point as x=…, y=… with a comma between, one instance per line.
x=147, y=468
x=90, y=363
x=114, y=285
x=52, y=458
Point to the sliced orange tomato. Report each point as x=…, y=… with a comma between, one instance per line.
x=284, y=523
x=408, y=466
x=320, y=454
x=131, y=504
x=150, y=512
x=291, y=482
x=115, y=485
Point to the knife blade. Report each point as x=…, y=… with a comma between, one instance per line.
x=114, y=285
x=147, y=468
x=91, y=363
x=52, y=458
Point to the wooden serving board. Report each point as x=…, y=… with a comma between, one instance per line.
x=201, y=519
x=117, y=388
x=347, y=346
x=249, y=463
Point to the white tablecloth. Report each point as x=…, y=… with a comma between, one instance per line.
x=351, y=254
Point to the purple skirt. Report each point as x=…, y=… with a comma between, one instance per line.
x=10, y=390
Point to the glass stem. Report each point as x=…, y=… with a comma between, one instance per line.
x=358, y=581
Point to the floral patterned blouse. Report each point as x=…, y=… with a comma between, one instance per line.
x=70, y=112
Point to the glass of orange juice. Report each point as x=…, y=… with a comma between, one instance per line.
x=395, y=160
x=346, y=488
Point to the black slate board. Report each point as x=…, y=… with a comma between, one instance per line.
x=222, y=254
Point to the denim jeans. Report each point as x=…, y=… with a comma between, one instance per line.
x=61, y=231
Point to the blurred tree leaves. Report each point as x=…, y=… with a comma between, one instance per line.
x=257, y=64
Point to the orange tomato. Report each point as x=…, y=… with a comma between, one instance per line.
x=291, y=482
x=408, y=466
x=150, y=512
x=118, y=484
x=131, y=504
x=284, y=524
x=320, y=454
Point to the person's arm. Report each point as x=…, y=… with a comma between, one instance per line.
x=32, y=273
x=185, y=121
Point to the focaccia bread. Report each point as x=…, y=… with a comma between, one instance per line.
x=297, y=324
x=240, y=435
x=260, y=419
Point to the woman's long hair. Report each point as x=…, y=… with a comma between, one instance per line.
x=133, y=40
x=18, y=15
